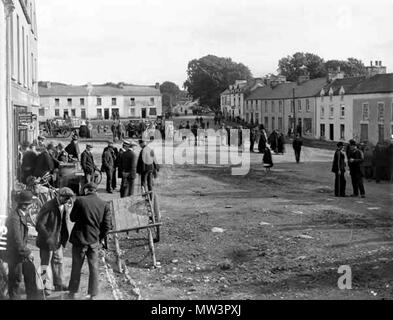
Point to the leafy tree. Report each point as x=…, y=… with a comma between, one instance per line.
x=299, y=63
x=169, y=91
x=352, y=67
x=209, y=76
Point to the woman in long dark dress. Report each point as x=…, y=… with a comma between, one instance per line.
x=267, y=159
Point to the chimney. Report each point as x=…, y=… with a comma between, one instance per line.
x=380, y=63
x=49, y=85
x=376, y=63
x=371, y=63
x=157, y=86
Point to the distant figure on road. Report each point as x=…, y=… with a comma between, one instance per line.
x=262, y=139
x=108, y=166
x=128, y=162
x=355, y=159
x=267, y=159
x=280, y=143
x=297, y=147
x=338, y=169
x=147, y=166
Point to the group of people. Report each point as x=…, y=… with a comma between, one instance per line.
x=92, y=222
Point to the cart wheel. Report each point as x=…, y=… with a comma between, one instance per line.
x=97, y=177
x=157, y=218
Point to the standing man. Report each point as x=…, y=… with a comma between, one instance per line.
x=52, y=237
x=108, y=166
x=355, y=159
x=297, y=147
x=87, y=163
x=18, y=255
x=92, y=218
x=147, y=166
x=339, y=170
x=73, y=148
x=44, y=164
x=128, y=163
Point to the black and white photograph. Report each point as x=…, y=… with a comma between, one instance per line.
x=198, y=150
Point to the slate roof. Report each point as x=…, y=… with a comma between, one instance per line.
x=98, y=90
x=347, y=83
x=310, y=88
x=380, y=83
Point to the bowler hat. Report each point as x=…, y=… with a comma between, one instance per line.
x=66, y=192
x=25, y=197
x=89, y=146
x=340, y=144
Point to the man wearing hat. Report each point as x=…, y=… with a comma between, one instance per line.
x=53, y=236
x=87, y=163
x=355, y=159
x=18, y=255
x=41, y=142
x=128, y=162
x=44, y=163
x=339, y=170
x=108, y=166
x=92, y=218
x=147, y=166
x=73, y=148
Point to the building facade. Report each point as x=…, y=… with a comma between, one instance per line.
x=233, y=98
x=284, y=106
x=99, y=101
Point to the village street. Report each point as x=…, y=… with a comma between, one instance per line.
x=280, y=235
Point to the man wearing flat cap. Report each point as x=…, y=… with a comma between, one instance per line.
x=92, y=218
x=147, y=166
x=19, y=257
x=128, y=162
x=53, y=236
x=87, y=163
x=338, y=169
x=355, y=159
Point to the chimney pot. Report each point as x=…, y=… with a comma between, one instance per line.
x=371, y=63
x=376, y=63
x=380, y=63
x=157, y=85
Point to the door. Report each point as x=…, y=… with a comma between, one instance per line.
x=364, y=132
x=143, y=113
x=106, y=114
x=331, y=133
x=381, y=133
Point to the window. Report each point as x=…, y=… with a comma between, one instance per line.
x=273, y=123
x=322, y=130
x=342, y=111
x=99, y=102
x=266, y=122
x=132, y=112
x=65, y=113
x=153, y=112
x=342, y=132
x=331, y=113
x=152, y=101
x=307, y=127
x=99, y=113
x=365, y=112
x=73, y=113
x=299, y=105
x=114, y=101
x=280, y=124
x=280, y=103
x=257, y=118
x=331, y=97
x=273, y=106
x=41, y=112
x=57, y=102
x=69, y=102
x=292, y=106
x=266, y=110
x=381, y=111
x=342, y=97
x=308, y=105
x=83, y=114
x=82, y=101
x=322, y=111
x=364, y=132
x=57, y=112
x=132, y=101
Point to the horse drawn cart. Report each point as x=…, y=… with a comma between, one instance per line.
x=60, y=128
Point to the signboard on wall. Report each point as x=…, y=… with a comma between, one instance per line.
x=25, y=118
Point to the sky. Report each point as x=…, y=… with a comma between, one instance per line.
x=149, y=41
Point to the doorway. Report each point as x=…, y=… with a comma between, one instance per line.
x=106, y=114
x=143, y=113
x=331, y=133
x=381, y=133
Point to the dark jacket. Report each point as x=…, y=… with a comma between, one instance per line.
x=128, y=162
x=44, y=164
x=297, y=144
x=338, y=162
x=267, y=158
x=108, y=159
x=92, y=218
x=355, y=167
x=147, y=161
x=17, y=236
x=51, y=227
x=87, y=162
x=29, y=162
x=73, y=150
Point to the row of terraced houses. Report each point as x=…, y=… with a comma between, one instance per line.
x=334, y=108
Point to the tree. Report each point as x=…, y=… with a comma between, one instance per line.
x=209, y=76
x=352, y=67
x=296, y=65
x=169, y=91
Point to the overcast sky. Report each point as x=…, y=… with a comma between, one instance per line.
x=149, y=41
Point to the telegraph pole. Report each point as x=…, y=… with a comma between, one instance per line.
x=294, y=112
